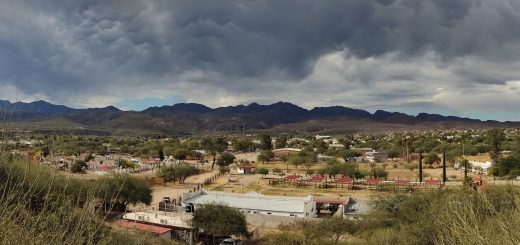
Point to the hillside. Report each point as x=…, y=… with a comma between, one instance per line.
x=191, y=118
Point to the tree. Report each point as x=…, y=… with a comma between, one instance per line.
x=78, y=166
x=214, y=146
x=160, y=153
x=277, y=171
x=349, y=154
x=351, y=170
x=177, y=172
x=225, y=159
x=394, y=153
x=346, y=141
x=180, y=154
x=495, y=137
x=466, y=165
x=46, y=151
x=119, y=190
x=262, y=171
x=244, y=145
x=333, y=170
x=321, y=146
x=281, y=142
x=266, y=142
x=332, y=161
x=322, y=172
x=219, y=219
x=265, y=156
x=296, y=160
x=452, y=157
x=432, y=158
x=125, y=164
x=167, y=174
x=223, y=169
x=380, y=173
x=508, y=165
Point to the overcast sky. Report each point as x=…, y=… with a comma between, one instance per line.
x=458, y=57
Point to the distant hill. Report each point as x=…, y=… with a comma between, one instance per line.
x=189, y=118
x=37, y=109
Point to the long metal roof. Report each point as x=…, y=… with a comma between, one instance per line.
x=253, y=201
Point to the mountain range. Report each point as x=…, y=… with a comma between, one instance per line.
x=189, y=118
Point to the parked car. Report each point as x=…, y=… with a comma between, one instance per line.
x=230, y=241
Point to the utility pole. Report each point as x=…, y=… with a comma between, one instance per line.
x=407, y=152
x=420, y=166
x=444, y=165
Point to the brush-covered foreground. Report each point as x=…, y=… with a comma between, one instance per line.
x=456, y=216
x=39, y=207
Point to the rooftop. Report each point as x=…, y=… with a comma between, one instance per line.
x=286, y=149
x=177, y=219
x=141, y=227
x=252, y=201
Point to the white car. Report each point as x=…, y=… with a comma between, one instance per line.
x=230, y=241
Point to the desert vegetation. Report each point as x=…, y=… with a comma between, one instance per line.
x=38, y=206
x=455, y=216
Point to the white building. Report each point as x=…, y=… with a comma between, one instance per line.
x=254, y=203
x=475, y=165
x=160, y=218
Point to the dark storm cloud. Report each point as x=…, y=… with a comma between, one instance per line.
x=108, y=49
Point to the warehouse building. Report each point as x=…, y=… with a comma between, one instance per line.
x=254, y=203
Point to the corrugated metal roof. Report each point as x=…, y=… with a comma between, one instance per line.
x=142, y=227
x=253, y=201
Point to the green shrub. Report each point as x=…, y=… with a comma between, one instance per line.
x=78, y=166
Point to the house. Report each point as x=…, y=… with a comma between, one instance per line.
x=246, y=170
x=377, y=156
x=285, y=152
x=254, y=203
x=324, y=158
x=481, y=167
x=323, y=137
x=158, y=231
x=362, y=149
x=177, y=222
x=336, y=145
x=357, y=159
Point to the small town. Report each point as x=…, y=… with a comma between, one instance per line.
x=272, y=181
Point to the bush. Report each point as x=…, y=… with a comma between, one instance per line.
x=41, y=207
x=262, y=171
x=225, y=159
x=265, y=156
x=223, y=170
x=177, y=172
x=277, y=170
x=119, y=190
x=78, y=166
x=380, y=173
x=220, y=219
x=453, y=216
